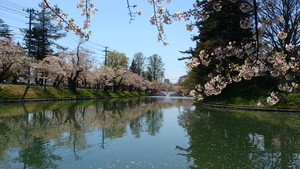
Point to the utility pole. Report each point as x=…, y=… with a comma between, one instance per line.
x=30, y=11
x=105, y=60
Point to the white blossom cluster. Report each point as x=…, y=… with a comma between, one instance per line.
x=215, y=85
x=87, y=9
x=277, y=64
x=12, y=59
x=196, y=94
x=272, y=99
x=281, y=62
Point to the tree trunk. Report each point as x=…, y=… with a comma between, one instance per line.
x=105, y=89
x=72, y=82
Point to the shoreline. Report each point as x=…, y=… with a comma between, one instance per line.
x=217, y=106
x=255, y=109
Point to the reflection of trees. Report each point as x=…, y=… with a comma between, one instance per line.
x=38, y=154
x=154, y=121
x=136, y=127
x=228, y=139
x=151, y=122
x=31, y=127
x=76, y=139
x=4, y=130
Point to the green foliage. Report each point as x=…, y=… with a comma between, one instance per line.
x=291, y=100
x=218, y=30
x=133, y=66
x=196, y=76
x=83, y=93
x=6, y=94
x=115, y=59
x=249, y=93
x=5, y=32
x=40, y=38
x=138, y=63
x=155, y=69
x=222, y=26
x=289, y=120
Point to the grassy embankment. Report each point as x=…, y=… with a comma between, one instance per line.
x=249, y=93
x=15, y=92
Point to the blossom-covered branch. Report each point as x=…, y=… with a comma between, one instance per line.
x=87, y=8
x=130, y=13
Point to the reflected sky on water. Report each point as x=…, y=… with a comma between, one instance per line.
x=148, y=132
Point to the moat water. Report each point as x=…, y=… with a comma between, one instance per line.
x=147, y=132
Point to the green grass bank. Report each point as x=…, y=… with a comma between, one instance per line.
x=16, y=92
x=248, y=94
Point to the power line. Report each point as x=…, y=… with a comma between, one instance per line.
x=15, y=27
x=19, y=34
x=11, y=10
x=96, y=43
x=11, y=17
x=89, y=41
x=11, y=6
x=88, y=44
x=18, y=37
x=15, y=5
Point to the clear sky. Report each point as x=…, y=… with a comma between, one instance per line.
x=110, y=27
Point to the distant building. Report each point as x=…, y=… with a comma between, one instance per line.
x=182, y=79
x=167, y=80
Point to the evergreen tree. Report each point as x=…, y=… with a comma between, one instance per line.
x=5, y=32
x=221, y=27
x=133, y=66
x=42, y=34
x=138, y=63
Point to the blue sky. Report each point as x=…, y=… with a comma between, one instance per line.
x=110, y=27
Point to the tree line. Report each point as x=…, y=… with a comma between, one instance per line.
x=151, y=67
x=38, y=61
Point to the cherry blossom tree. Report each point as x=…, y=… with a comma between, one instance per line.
x=274, y=52
x=117, y=80
x=102, y=77
x=51, y=68
x=77, y=64
x=133, y=82
x=13, y=61
x=67, y=66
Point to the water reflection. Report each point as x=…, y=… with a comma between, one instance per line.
x=150, y=132
x=230, y=139
x=36, y=135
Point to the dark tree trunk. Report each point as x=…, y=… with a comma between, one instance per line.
x=105, y=89
x=72, y=82
x=3, y=74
